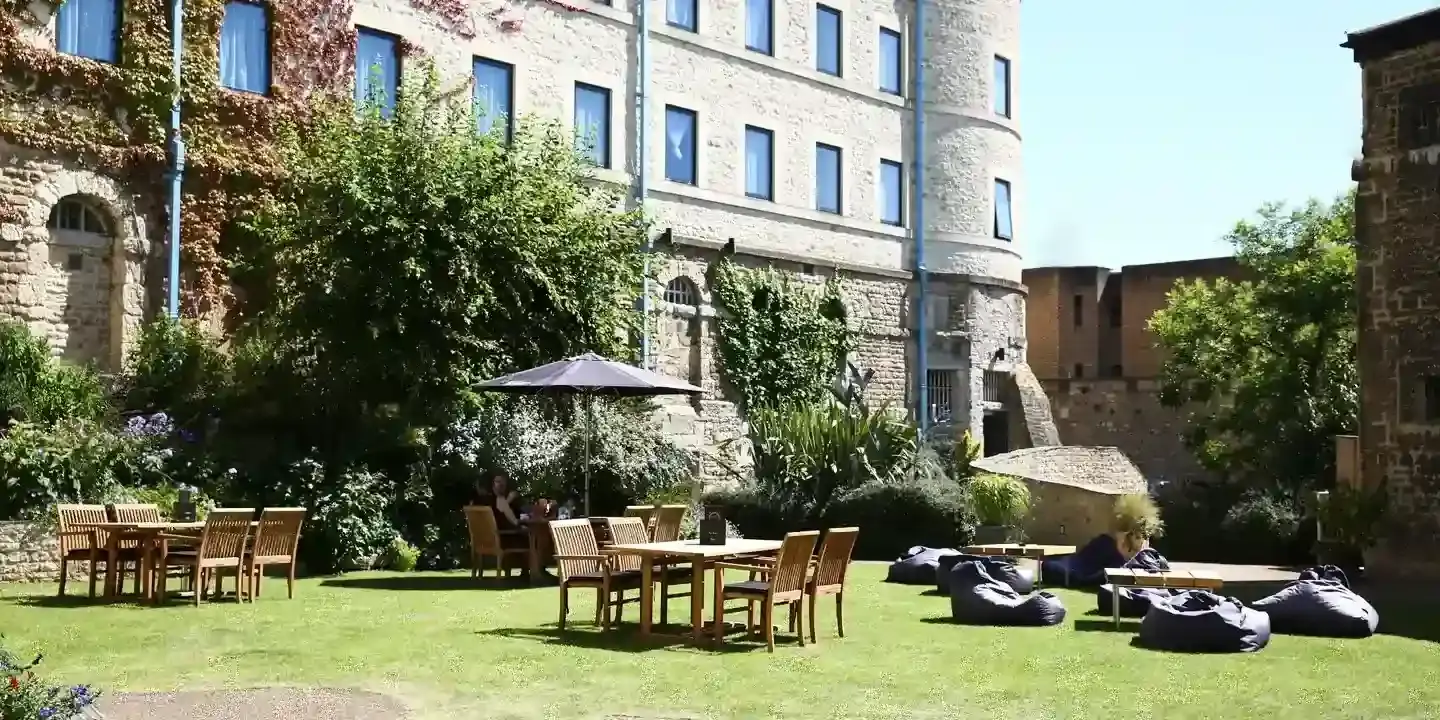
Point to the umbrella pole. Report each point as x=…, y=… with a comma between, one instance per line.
x=589, y=428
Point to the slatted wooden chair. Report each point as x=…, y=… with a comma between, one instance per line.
x=646, y=513
x=276, y=542
x=87, y=545
x=130, y=549
x=827, y=575
x=221, y=548
x=486, y=541
x=581, y=565
x=665, y=526
x=783, y=584
x=631, y=531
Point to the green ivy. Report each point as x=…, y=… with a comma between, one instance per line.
x=780, y=341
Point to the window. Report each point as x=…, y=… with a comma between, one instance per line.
x=827, y=40
x=1002, y=87
x=892, y=193
x=681, y=291
x=592, y=123
x=759, y=26
x=941, y=393
x=1117, y=317
x=1117, y=371
x=89, y=28
x=377, y=69
x=245, y=47
x=892, y=72
x=680, y=128
x=1004, y=229
x=74, y=214
x=993, y=384
x=1079, y=371
x=759, y=163
x=827, y=178
x=1078, y=311
x=494, y=96
x=683, y=14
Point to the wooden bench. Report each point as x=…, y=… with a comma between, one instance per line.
x=1173, y=579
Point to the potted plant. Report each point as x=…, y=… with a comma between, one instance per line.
x=1001, y=504
x=1136, y=520
x=1348, y=518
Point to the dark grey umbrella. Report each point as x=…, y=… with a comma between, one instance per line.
x=589, y=375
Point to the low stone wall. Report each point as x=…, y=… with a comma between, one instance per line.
x=1068, y=514
x=31, y=553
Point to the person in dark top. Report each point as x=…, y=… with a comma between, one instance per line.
x=507, y=505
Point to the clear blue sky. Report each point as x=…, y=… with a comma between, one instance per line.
x=1152, y=126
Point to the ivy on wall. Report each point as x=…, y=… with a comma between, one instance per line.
x=779, y=340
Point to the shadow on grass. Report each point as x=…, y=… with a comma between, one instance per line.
x=1127, y=625
x=429, y=583
x=626, y=638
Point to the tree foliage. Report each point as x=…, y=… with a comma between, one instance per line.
x=1267, y=363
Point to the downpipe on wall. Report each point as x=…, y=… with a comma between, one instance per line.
x=642, y=181
x=922, y=279
x=177, y=153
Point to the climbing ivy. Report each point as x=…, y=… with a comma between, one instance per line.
x=779, y=340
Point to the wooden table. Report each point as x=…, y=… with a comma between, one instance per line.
x=1038, y=553
x=1176, y=579
x=698, y=555
x=144, y=533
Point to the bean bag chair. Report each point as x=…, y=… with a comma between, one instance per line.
x=1148, y=559
x=1087, y=566
x=976, y=598
x=1320, y=607
x=1199, y=621
x=1006, y=570
x=1134, y=602
x=1326, y=572
x=917, y=566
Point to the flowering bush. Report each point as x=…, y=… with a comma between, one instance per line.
x=24, y=696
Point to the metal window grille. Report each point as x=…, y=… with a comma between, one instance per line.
x=941, y=384
x=681, y=291
x=994, y=382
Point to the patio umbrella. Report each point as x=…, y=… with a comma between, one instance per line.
x=589, y=375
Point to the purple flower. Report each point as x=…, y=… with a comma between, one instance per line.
x=46, y=713
x=156, y=425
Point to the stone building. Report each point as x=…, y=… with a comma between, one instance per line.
x=1099, y=363
x=786, y=131
x=1397, y=203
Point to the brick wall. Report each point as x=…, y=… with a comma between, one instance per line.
x=1143, y=292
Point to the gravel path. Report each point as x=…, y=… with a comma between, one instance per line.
x=260, y=704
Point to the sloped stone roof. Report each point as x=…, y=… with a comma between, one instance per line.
x=1102, y=469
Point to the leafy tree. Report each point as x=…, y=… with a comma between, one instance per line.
x=1267, y=363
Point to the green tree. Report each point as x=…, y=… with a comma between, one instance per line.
x=1267, y=363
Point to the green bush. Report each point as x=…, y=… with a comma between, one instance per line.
x=999, y=499
x=40, y=389
x=178, y=368
x=347, y=526
x=72, y=462
x=892, y=518
x=401, y=556
x=1260, y=530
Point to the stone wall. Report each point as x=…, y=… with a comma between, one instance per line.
x=1126, y=414
x=30, y=553
x=1072, y=489
x=1068, y=514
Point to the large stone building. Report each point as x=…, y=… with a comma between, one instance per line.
x=1396, y=207
x=785, y=130
x=1092, y=349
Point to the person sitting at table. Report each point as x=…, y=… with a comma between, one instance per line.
x=506, y=504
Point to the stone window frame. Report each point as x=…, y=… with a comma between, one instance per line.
x=681, y=295
x=90, y=213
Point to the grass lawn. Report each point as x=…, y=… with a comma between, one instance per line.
x=447, y=646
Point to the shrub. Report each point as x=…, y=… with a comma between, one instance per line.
x=72, y=462
x=347, y=525
x=892, y=518
x=753, y=514
x=1137, y=516
x=24, y=696
x=401, y=556
x=1351, y=516
x=999, y=499
x=37, y=388
x=176, y=367
x=1260, y=529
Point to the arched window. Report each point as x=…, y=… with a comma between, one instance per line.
x=682, y=291
x=75, y=214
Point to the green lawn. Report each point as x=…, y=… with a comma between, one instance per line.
x=445, y=645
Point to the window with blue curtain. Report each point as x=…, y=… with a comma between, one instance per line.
x=759, y=163
x=892, y=64
x=827, y=178
x=680, y=165
x=1002, y=86
x=592, y=123
x=1004, y=221
x=892, y=193
x=90, y=29
x=828, y=39
x=683, y=14
x=494, y=97
x=377, y=69
x=245, y=47
x=759, y=24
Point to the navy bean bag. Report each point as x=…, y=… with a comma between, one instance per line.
x=1148, y=559
x=1006, y=570
x=1199, y=621
x=976, y=598
x=917, y=566
x=1134, y=602
x=1320, y=606
x=1087, y=566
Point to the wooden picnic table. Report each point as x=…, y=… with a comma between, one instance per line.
x=1177, y=579
x=698, y=555
x=1031, y=551
x=145, y=534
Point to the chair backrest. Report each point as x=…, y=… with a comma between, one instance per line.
x=71, y=515
x=666, y=527
x=644, y=512
x=627, y=531
x=574, y=537
x=792, y=564
x=136, y=513
x=226, y=530
x=278, y=534
x=484, y=531
x=835, y=552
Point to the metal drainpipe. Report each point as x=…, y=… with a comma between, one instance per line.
x=922, y=354
x=177, y=153
x=642, y=184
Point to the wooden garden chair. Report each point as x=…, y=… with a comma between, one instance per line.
x=130, y=549
x=827, y=574
x=581, y=565
x=221, y=548
x=277, y=539
x=665, y=526
x=82, y=544
x=631, y=531
x=784, y=583
x=646, y=513
x=486, y=541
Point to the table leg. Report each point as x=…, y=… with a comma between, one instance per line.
x=147, y=573
x=534, y=537
x=647, y=594
x=1115, y=603
x=697, y=600
x=112, y=557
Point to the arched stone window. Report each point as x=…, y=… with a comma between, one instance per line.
x=682, y=291
x=75, y=214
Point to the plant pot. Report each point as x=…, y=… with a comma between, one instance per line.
x=998, y=534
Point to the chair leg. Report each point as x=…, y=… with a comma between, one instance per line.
x=665, y=594
x=799, y=621
x=65, y=574
x=768, y=620
x=163, y=575
x=202, y=581
x=840, y=613
x=290, y=580
x=793, y=613
x=619, y=607
x=605, y=607
x=564, y=605
x=138, y=572
x=812, y=618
